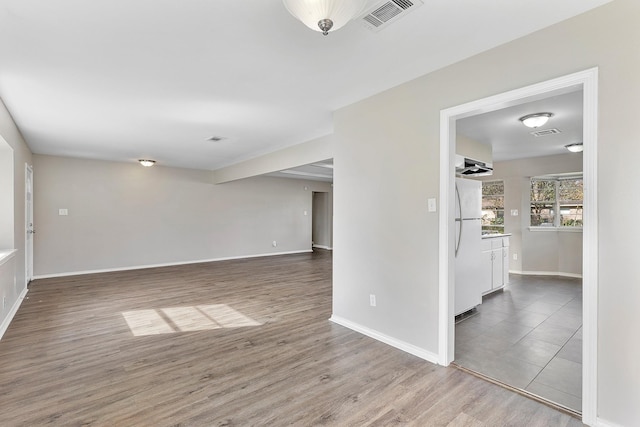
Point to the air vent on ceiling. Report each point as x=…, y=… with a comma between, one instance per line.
x=545, y=132
x=383, y=14
x=216, y=138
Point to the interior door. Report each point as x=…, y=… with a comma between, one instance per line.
x=30, y=230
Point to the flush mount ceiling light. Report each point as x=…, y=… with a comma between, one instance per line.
x=325, y=15
x=147, y=163
x=535, y=120
x=575, y=148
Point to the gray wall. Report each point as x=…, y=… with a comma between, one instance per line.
x=385, y=240
x=21, y=155
x=538, y=251
x=122, y=215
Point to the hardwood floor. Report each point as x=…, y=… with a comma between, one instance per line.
x=234, y=343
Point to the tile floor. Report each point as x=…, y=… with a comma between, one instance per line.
x=528, y=336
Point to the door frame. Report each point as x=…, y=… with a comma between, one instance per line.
x=28, y=212
x=587, y=80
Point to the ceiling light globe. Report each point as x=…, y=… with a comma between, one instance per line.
x=315, y=14
x=575, y=148
x=535, y=120
x=147, y=163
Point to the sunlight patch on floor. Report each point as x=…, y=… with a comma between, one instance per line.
x=185, y=319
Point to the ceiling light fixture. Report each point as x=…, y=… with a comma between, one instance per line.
x=535, y=120
x=325, y=15
x=575, y=148
x=147, y=163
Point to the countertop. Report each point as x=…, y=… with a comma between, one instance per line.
x=493, y=236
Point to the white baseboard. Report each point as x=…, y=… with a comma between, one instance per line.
x=393, y=342
x=323, y=247
x=604, y=423
x=168, y=264
x=546, y=273
x=7, y=321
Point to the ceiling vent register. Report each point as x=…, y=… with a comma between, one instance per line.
x=216, y=138
x=385, y=13
x=545, y=132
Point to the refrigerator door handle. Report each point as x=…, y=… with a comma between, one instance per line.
x=459, y=220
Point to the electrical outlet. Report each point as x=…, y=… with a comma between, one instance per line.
x=515, y=257
x=372, y=300
x=63, y=212
x=274, y=244
x=431, y=205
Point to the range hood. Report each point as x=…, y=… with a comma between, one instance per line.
x=469, y=167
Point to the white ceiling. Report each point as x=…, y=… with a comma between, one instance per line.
x=510, y=139
x=128, y=79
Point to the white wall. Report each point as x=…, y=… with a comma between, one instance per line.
x=473, y=149
x=548, y=251
x=385, y=240
x=7, y=210
x=21, y=155
x=122, y=215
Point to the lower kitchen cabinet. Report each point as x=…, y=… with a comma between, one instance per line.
x=495, y=263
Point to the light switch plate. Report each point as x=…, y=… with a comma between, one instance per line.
x=431, y=204
x=514, y=212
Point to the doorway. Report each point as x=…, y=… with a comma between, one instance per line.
x=321, y=220
x=30, y=231
x=587, y=82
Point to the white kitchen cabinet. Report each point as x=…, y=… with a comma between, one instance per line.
x=495, y=259
x=505, y=261
x=486, y=273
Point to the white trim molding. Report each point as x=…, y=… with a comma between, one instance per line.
x=587, y=81
x=393, y=342
x=329, y=248
x=555, y=229
x=546, y=273
x=7, y=320
x=604, y=423
x=168, y=264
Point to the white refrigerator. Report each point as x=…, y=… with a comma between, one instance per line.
x=468, y=240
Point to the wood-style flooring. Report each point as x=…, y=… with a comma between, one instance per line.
x=233, y=343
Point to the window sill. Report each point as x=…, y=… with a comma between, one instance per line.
x=6, y=255
x=560, y=229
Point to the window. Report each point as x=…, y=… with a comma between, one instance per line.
x=493, y=206
x=556, y=201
